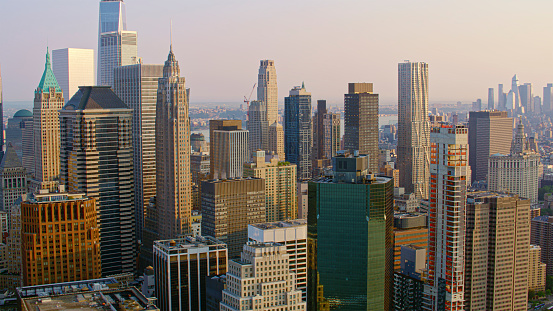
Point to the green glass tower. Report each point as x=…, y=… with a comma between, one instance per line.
x=350, y=251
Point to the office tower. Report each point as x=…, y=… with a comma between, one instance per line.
x=536, y=102
x=267, y=90
x=490, y=132
x=477, y=105
x=409, y=229
x=46, y=125
x=515, y=90
x=14, y=130
x=302, y=200
x=137, y=85
x=13, y=177
x=501, y=98
x=511, y=100
x=361, y=122
x=181, y=267
x=449, y=176
x=73, y=68
x=542, y=233
x=298, y=131
x=214, y=286
x=536, y=270
x=276, y=140
x=228, y=148
x=491, y=102
x=413, y=153
x=526, y=95
x=280, y=186
x=49, y=257
x=326, y=136
x=27, y=146
x=116, y=45
x=258, y=126
x=496, y=251
x=229, y=206
x=548, y=98
x=261, y=280
x=291, y=233
x=408, y=283
x=96, y=158
x=199, y=166
x=318, y=131
x=350, y=238
x=517, y=172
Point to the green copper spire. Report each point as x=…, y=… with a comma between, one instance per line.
x=48, y=79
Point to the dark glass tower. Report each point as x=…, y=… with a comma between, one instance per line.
x=298, y=133
x=1, y=119
x=350, y=252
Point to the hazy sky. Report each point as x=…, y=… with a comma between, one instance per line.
x=470, y=45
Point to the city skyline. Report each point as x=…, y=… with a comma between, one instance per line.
x=460, y=28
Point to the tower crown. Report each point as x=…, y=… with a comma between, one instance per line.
x=48, y=79
x=171, y=68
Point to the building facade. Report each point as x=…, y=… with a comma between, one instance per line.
x=409, y=229
x=73, y=68
x=267, y=89
x=536, y=270
x=280, y=186
x=97, y=159
x=228, y=148
x=229, y=206
x=449, y=176
x=542, y=233
x=276, y=140
x=292, y=234
x=326, y=137
x=298, y=131
x=116, y=45
x=137, y=85
x=181, y=267
x=14, y=179
x=408, y=279
x=261, y=280
x=258, y=127
x=361, y=122
x=413, y=152
x=349, y=239
x=51, y=257
x=490, y=132
x=496, y=253
x=14, y=131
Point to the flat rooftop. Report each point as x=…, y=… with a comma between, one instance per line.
x=281, y=224
x=368, y=181
x=184, y=244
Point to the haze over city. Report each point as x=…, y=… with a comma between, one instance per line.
x=470, y=45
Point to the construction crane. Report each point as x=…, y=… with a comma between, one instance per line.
x=247, y=101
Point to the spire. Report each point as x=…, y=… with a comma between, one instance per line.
x=171, y=36
x=48, y=79
x=518, y=145
x=303, y=85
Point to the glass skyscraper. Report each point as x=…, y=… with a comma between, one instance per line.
x=350, y=252
x=298, y=132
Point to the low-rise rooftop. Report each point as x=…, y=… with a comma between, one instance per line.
x=281, y=224
x=182, y=245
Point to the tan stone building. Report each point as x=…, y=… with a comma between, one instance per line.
x=280, y=185
x=60, y=238
x=496, y=253
x=536, y=269
x=276, y=140
x=228, y=148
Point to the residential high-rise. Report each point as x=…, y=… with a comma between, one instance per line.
x=181, y=267
x=228, y=148
x=298, y=131
x=496, y=252
x=116, y=45
x=490, y=132
x=536, y=270
x=276, y=140
x=46, y=125
x=413, y=152
x=548, y=98
x=280, y=186
x=13, y=177
x=350, y=236
x=267, y=90
x=258, y=126
x=291, y=233
x=73, y=68
x=542, y=236
x=60, y=238
x=229, y=206
x=491, y=102
x=361, y=122
x=137, y=86
x=96, y=158
x=449, y=178
x=517, y=172
x=14, y=131
x=261, y=280
x=408, y=281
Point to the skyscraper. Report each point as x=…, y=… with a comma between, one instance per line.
x=526, y=97
x=298, y=131
x=27, y=146
x=490, y=132
x=413, y=154
x=173, y=198
x=228, y=148
x=14, y=130
x=548, y=98
x=96, y=158
x=501, y=98
x=267, y=90
x=491, y=102
x=514, y=88
x=326, y=137
x=13, y=177
x=361, y=122
x=542, y=235
x=349, y=239
x=47, y=104
x=47, y=258
x=137, y=86
x=276, y=140
x=73, y=68
x=536, y=269
x=496, y=253
x=449, y=176
x=1, y=114
x=116, y=45
x=258, y=127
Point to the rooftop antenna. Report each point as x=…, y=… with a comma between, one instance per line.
x=171, y=33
